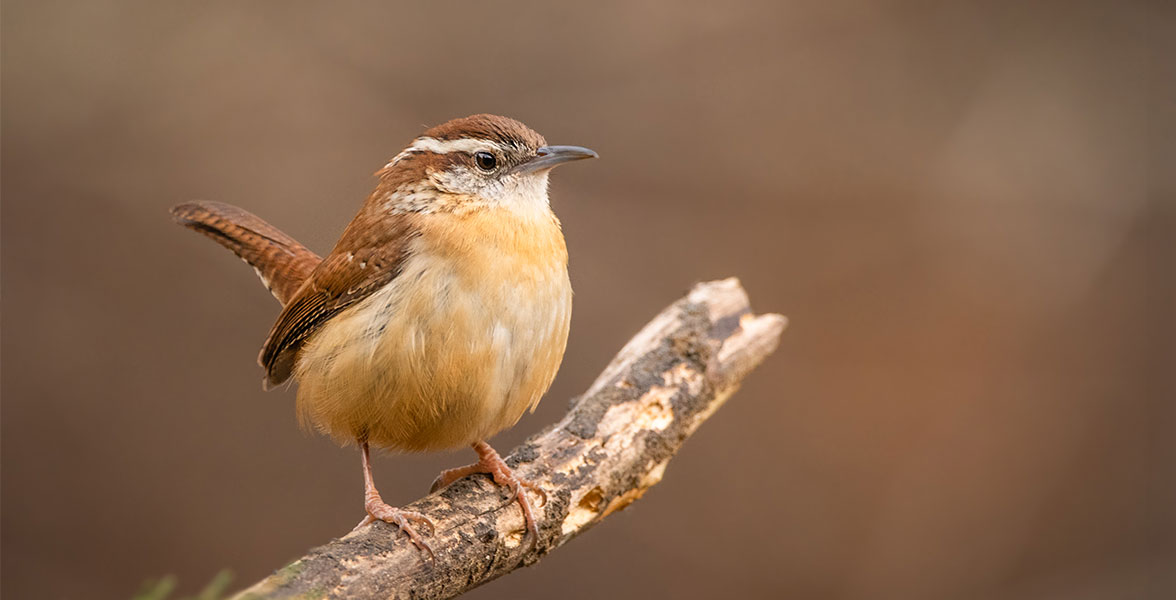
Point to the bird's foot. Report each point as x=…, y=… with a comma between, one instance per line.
x=378, y=510
x=490, y=463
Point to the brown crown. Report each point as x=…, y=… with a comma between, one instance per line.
x=494, y=128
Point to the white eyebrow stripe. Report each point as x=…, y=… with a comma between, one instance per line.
x=428, y=144
x=436, y=146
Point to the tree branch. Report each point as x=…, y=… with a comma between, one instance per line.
x=610, y=448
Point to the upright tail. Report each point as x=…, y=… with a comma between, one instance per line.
x=280, y=261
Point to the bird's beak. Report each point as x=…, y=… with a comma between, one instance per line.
x=549, y=157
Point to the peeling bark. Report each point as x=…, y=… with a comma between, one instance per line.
x=612, y=446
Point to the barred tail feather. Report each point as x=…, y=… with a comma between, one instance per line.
x=279, y=260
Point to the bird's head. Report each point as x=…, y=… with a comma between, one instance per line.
x=474, y=161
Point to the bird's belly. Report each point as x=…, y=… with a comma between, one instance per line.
x=438, y=358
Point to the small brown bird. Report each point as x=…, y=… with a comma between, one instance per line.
x=439, y=317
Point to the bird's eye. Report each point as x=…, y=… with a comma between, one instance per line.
x=485, y=161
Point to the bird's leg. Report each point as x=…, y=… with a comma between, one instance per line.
x=378, y=510
x=491, y=463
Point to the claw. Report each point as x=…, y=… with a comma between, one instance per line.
x=490, y=463
x=422, y=520
x=534, y=487
x=378, y=510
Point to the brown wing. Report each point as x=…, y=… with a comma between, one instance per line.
x=282, y=263
x=367, y=258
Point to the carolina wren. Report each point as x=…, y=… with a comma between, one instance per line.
x=442, y=313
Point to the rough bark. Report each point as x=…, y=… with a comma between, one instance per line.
x=610, y=448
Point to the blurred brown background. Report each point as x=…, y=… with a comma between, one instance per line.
x=964, y=208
